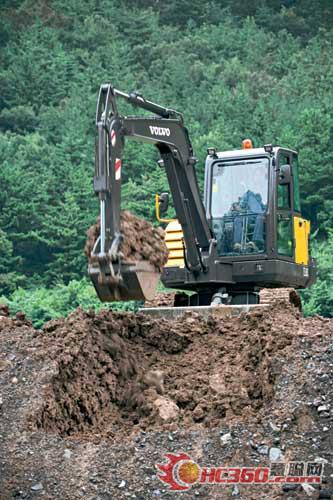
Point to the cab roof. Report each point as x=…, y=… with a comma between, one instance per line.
x=241, y=153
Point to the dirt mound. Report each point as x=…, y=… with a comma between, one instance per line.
x=118, y=372
x=271, y=295
x=90, y=404
x=162, y=299
x=4, y=310
x=142, y=241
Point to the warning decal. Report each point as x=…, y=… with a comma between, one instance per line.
x=113, y=138
x=117, y=167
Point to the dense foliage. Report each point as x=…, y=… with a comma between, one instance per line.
x=43, y=304
x=236, y=69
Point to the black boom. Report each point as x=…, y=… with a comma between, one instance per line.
x=166, y=131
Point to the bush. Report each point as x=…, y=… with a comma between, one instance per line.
x=319, y=298
x=42, y=304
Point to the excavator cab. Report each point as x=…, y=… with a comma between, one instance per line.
x=252, y=204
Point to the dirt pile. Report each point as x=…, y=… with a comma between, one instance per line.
x=271, y=295
x=162, y=299
x=120, y=372
x=91, y=403
x=141, y=241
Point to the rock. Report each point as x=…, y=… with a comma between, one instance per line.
x=275, y=454
x=4, y=310
x=309, y=490
x=14, y=380
x=155, y=378
x=20, y=316
x=67, y=453
x=235, y=491
x=37, y=487
x=274, y=427
x=216, y=382
x=167, y=409
x=198, y=413
x=263, y=449
x=226, y=438
x=156, y=493
x=122, y=484
x=185, y=396
x=4, y=363
x=322, y=408
x=289, y=487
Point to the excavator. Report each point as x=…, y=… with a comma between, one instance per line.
x=246, y=234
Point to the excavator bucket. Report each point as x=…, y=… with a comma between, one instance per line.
x=126, y=281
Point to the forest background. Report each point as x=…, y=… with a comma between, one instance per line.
x=234, y=68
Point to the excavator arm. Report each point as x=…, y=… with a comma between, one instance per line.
x=167, y=132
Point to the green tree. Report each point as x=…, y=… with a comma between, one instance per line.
x=235, y=69
x=9, y=278
x=319, y=298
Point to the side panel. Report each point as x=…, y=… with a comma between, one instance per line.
x=301, y=235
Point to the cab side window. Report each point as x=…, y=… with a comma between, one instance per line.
x=284, y=196
x=283, y=190
x=285, y=235
x=284, y=220
x=297, y=201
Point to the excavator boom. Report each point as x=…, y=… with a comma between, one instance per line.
x=113, y=279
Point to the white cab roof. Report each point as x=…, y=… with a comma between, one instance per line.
x=236, y=153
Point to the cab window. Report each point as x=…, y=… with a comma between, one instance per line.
x=284, y=196
x=283, y=190
x=285, y=236
x=285, y=242
x=239, y=205
x=297, y=201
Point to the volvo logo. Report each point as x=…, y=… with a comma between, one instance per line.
x=159, y=131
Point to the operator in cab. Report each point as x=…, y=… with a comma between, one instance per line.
x=239, y=204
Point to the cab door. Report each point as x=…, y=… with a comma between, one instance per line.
x=284, y=209
x=301, y=225
x=292, y=229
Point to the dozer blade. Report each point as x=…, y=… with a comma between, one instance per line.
x=130, y=282
x=205, y=311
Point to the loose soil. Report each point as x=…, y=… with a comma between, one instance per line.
x=141, y=241
x=92, y=402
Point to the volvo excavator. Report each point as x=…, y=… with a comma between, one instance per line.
x=246, y=234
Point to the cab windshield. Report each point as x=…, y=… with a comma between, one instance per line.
x=239, y=205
